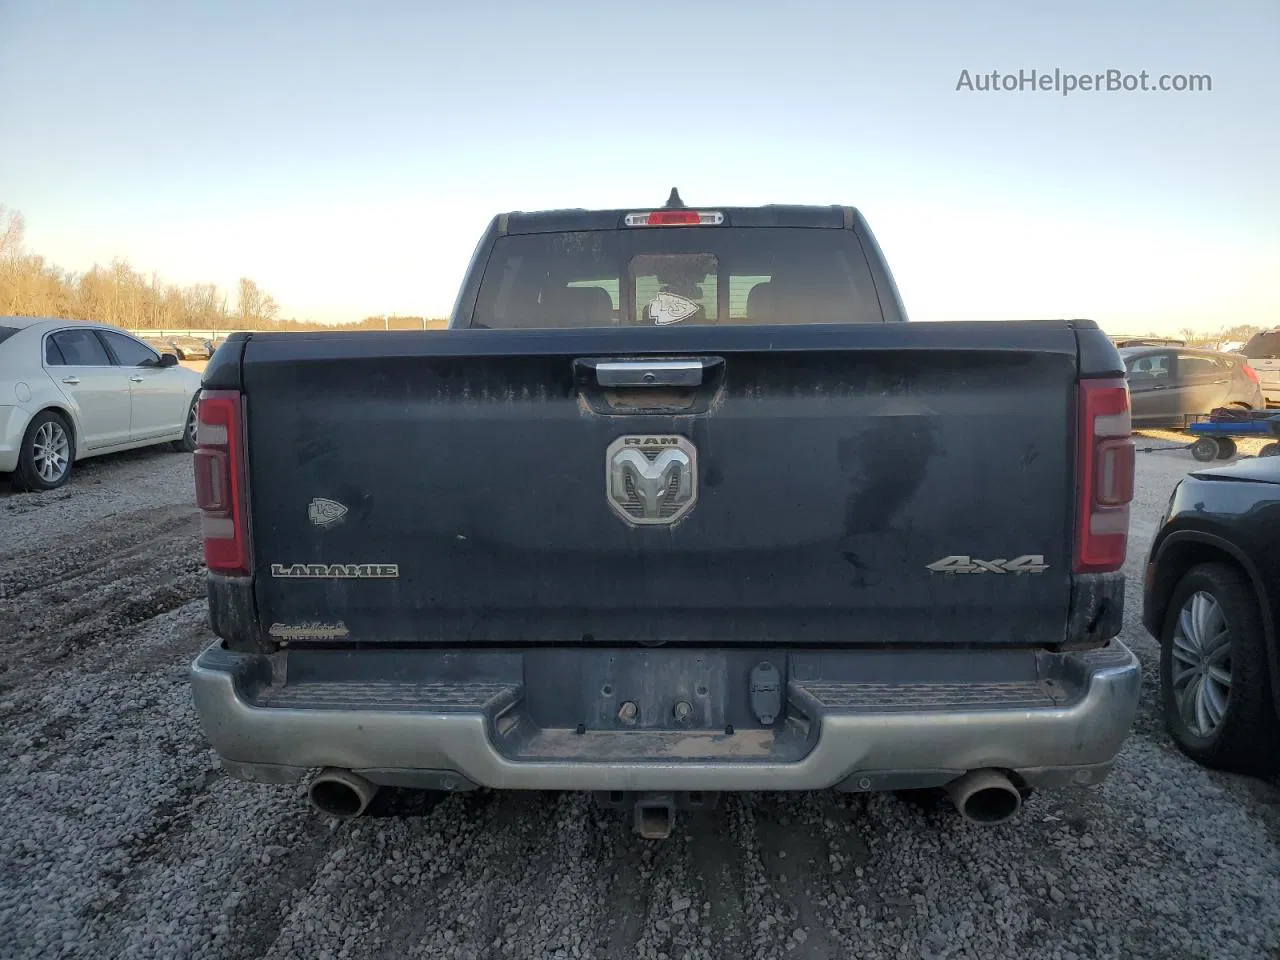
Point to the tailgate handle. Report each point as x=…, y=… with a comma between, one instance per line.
x=649, y=373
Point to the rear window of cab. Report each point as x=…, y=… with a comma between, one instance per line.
x=676, y=276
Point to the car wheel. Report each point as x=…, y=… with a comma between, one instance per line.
x=1215, y=686
x=1226, y=448
x=188, y=442
x=1270, y=450
x=1205, y=449
x=46, y=457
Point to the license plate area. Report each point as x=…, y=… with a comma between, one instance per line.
x=647, y=690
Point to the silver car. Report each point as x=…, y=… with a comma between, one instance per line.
x=1263, y=354
x=71, y=389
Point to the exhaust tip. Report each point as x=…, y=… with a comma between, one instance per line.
x=992, y=805
x=341, y=794
x=985, y=797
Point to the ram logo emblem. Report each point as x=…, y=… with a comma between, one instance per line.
x=651, y=479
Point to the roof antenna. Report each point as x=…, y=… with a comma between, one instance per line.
x=674, y=202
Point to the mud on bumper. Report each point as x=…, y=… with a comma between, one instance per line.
x=554, y=719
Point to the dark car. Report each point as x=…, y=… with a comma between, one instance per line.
x=1212, y=599
x=1171, y=386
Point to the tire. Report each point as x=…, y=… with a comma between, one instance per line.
x=1226, y=448
x=188, y=442
x=1246, y=736
x=47, y=454
x=1270, y=450
x=1205, y=449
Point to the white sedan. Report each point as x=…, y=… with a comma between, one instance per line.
x=71, y=389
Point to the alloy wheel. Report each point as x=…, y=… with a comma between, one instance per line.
x=51, y=451
x=1202, y=663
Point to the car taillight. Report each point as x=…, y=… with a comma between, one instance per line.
x=1249, y=372
x=219, y=470
x=1104, y=484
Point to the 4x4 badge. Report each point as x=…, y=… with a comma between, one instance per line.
x=1027, y=563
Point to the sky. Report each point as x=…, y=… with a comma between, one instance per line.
x=347, y=156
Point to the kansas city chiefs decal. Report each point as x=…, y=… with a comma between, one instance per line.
x=668, y=308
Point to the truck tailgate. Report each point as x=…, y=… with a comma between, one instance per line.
x=456, y=487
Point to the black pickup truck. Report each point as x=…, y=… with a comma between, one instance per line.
x=680, y=504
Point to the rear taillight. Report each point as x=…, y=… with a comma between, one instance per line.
x=219, y=469
x=1105, y=462
x=1249, y=372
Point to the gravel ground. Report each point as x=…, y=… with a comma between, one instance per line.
x=122, y=838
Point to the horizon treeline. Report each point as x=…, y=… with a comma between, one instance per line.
x=118, y=294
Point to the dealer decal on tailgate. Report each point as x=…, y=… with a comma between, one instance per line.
x=309, y=631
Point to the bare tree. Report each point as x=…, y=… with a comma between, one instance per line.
x=204, y=306
x=119, y=294
x=12, y=230
x=1241, y=331
x=256, y=306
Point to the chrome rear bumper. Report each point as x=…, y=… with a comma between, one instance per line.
x=1052, y=719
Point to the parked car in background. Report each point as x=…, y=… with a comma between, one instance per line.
x=1170, y=386
x=71, y=390
x=1212, y=599
x=162, y=346
x=184, y=348
x=192, y=348
x=1263, y=354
